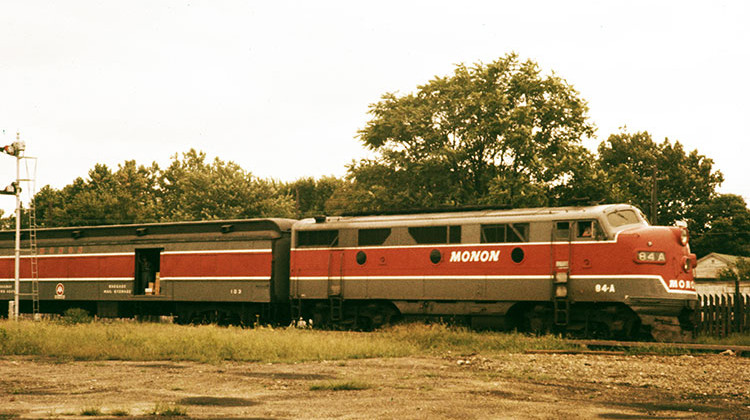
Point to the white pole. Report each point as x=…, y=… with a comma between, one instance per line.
x=18, y=238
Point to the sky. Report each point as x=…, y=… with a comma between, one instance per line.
x=282, y=87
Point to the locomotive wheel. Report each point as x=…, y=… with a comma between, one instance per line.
x=537, y=320
x=320, y=316
x=375, y=315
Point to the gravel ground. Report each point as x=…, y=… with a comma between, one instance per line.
x=456, y=386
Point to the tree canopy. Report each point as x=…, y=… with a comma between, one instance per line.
x=684, y=180
x=192, y=189
x=188, y=189
x=496, y=133
x=739, y=271
x=106, y=197
x=721, y=225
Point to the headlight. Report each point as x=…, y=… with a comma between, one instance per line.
x=683, y=236
x=686, y=265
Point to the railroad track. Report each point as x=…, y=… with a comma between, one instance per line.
x=619, y=347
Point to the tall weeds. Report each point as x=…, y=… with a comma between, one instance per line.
x=212, y=344
x=134, y=341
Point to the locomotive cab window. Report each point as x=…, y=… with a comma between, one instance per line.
x=622, y=218
x=436, y=234
x=511, y=232
x=372, y=237
x=587, y=230
x=321, y=238
x=147, y=267
x=562, y=231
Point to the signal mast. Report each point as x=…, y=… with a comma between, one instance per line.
x=16, y=149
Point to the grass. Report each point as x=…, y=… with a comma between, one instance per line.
x=211, y=344
x=120, y=412
x=732, y=339
x=62, y=342
x=206, y=344
x=91, y=411
x=340, y=386
x=168, y=410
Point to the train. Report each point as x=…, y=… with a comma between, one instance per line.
x=594, y=271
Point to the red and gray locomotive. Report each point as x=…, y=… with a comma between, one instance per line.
x=595, y=270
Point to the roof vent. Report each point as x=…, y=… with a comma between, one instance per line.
x=320, y=219
x=76, y=234
x=141, y=231
x=227, y=228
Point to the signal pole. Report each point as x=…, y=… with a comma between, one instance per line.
x=16, y=149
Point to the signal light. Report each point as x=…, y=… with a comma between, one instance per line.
x=14, y=149
x=11, y=189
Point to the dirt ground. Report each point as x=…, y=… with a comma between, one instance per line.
x=452, y=386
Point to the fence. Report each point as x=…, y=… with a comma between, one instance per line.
x=721, y=315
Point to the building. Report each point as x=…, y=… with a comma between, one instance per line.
x=707, y=273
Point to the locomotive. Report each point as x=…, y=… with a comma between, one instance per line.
x=593, y=270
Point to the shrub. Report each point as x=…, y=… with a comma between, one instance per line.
x=91, y=411
x=168, y=410
x=76, y=316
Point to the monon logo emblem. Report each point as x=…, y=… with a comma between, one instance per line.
x=475, y=256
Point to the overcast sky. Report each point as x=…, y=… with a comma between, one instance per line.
x=281, y=88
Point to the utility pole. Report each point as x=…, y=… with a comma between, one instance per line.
x=654, y=193
x=16, y=149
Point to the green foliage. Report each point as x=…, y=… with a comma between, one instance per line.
x=210, y=344
x=340, y=386
x=76, y=316
x=722, y=225
x=735, y=339
x=501, y=125
x=119, y=413
x=168, y=410
x=311, y=195
x=91, y=411
x=106, y=197
x=440, y=338
x=188, y=189
x=739, y=270
x=684, y=180
x=191, y=189
x=207, y=344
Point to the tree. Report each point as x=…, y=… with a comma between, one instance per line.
x=684, y=180
x=106, y=197
x=722, y=225
x=310, y=195
x=191, y=189
x=500, y=132
x=738, y=271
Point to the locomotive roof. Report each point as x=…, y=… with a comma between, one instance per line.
x=189, y=227
x=510, y=215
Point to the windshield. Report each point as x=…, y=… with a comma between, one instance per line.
x=623, y=217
